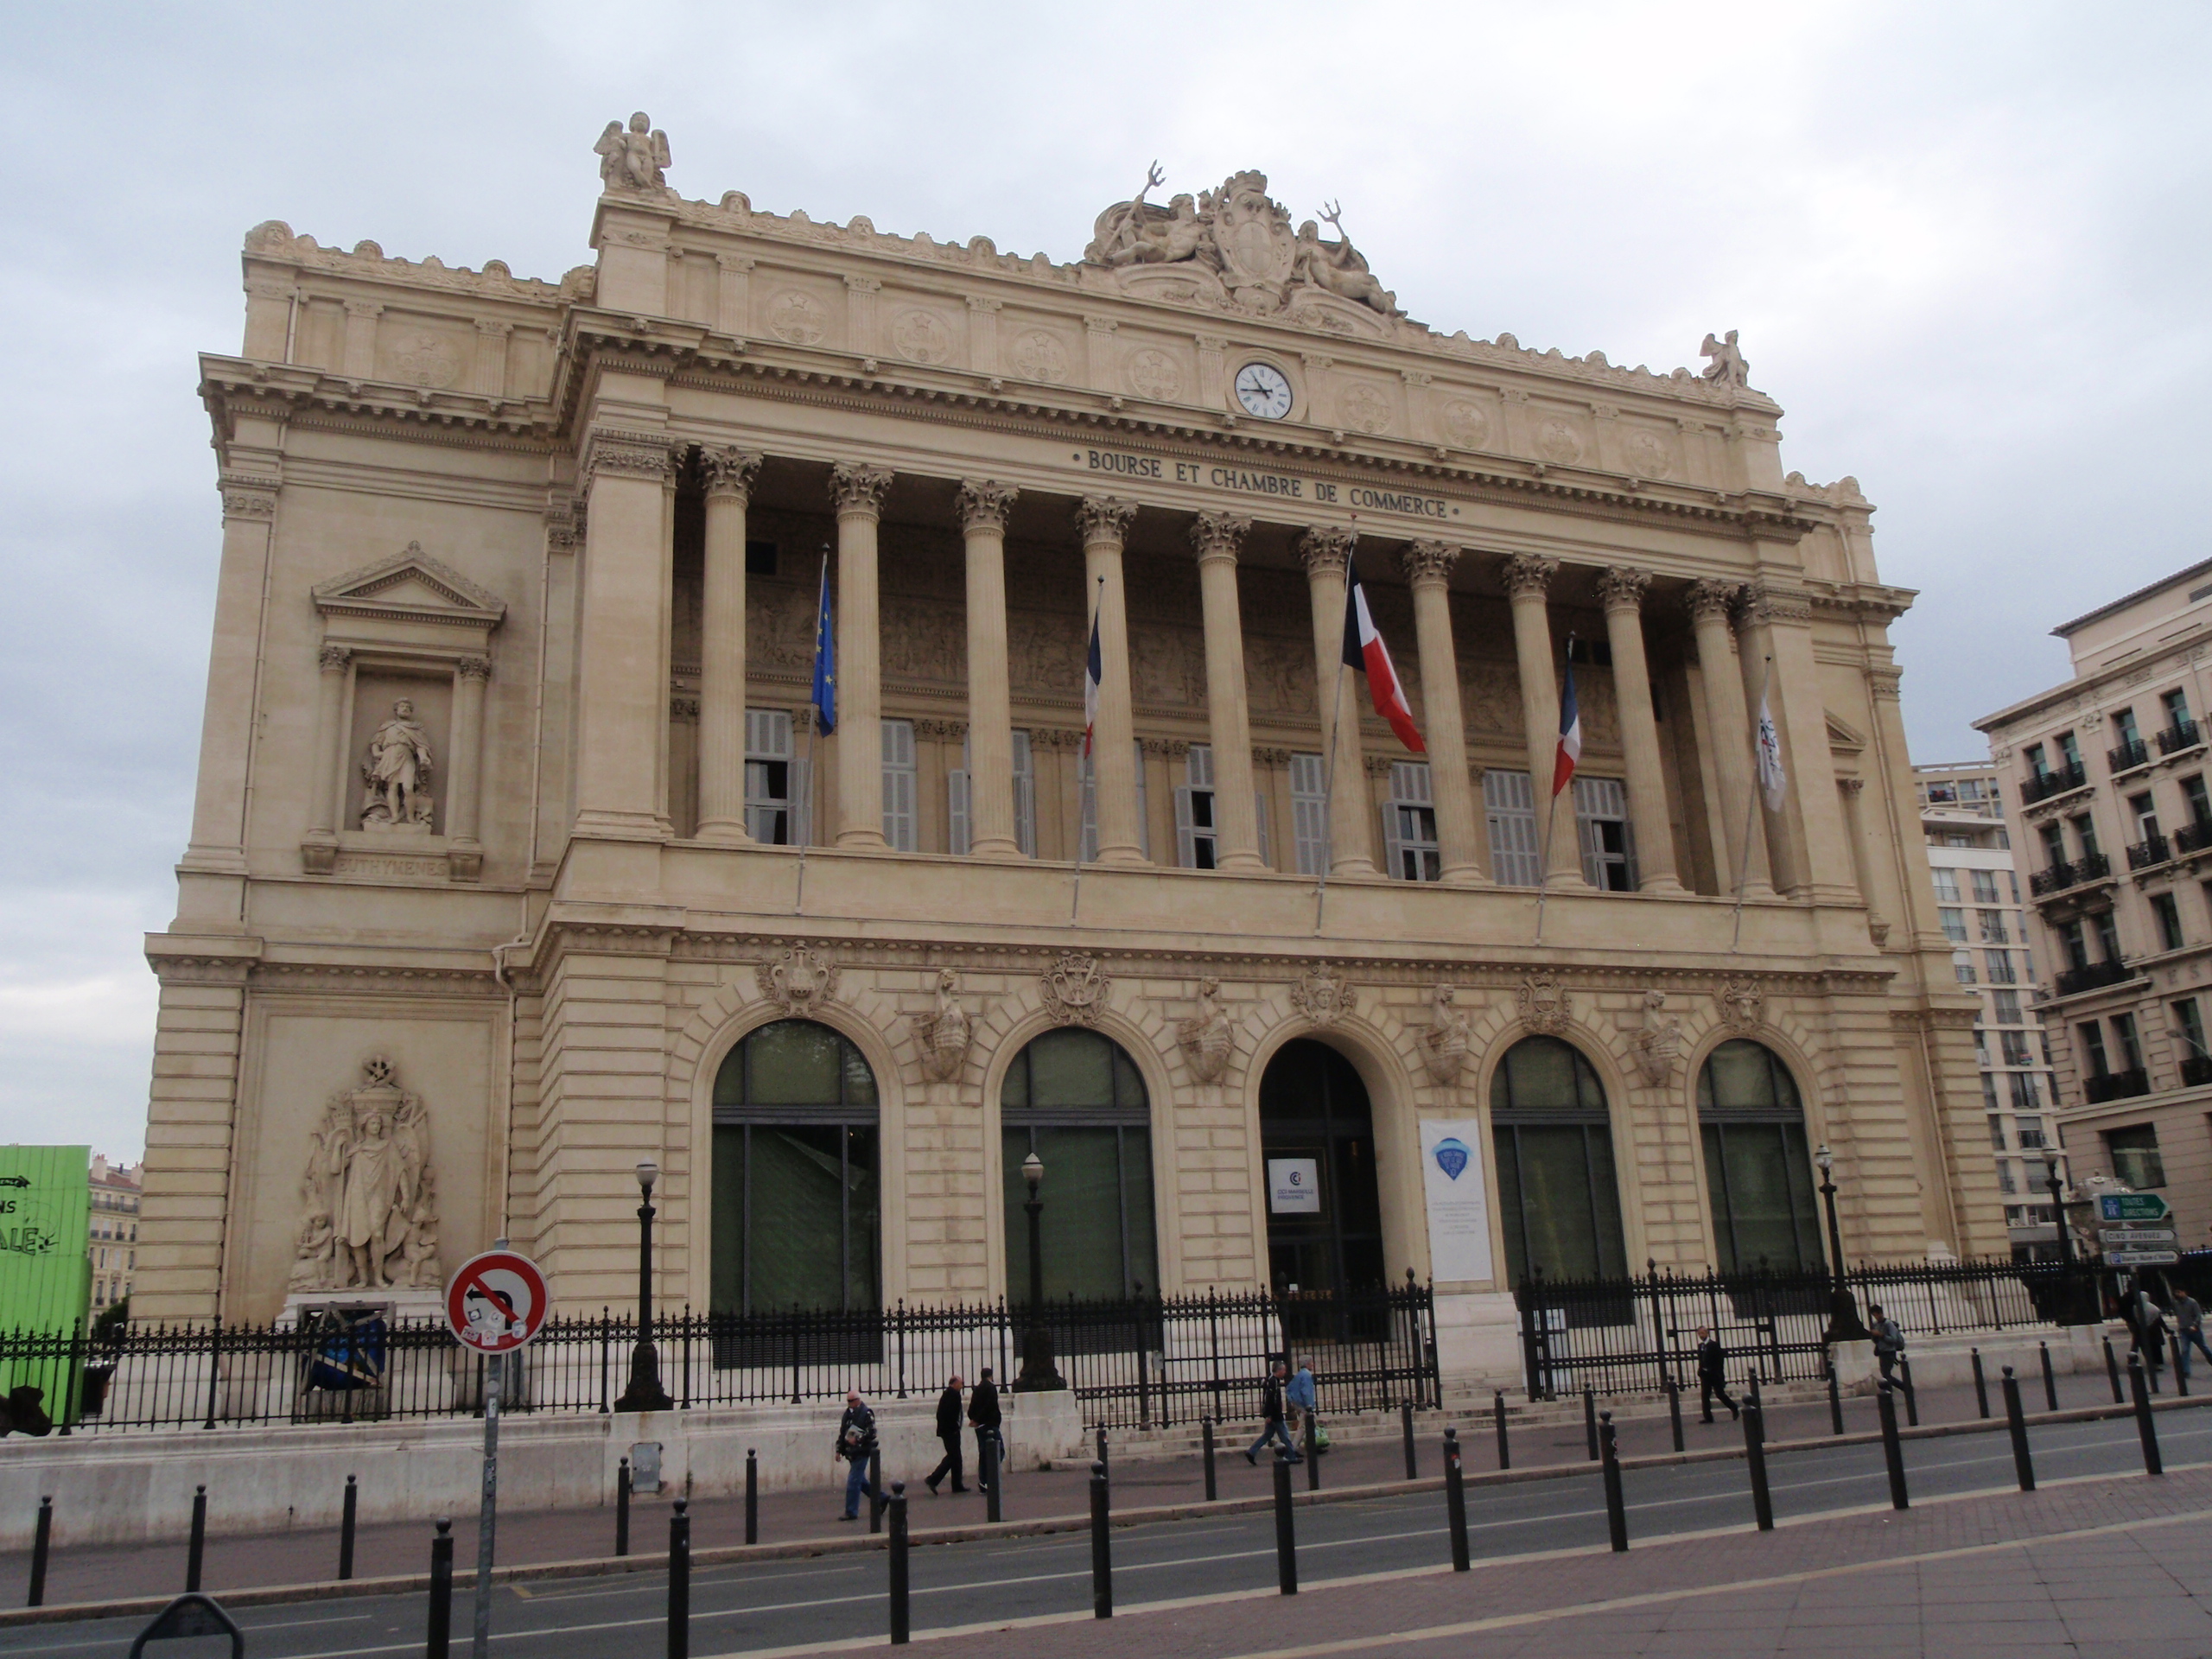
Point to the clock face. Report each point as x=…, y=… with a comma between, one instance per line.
x=1263, y=392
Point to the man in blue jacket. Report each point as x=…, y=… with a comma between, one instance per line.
x=856, y=1446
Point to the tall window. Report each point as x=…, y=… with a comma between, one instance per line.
x=1953, y=921
x=2168, y=912
x=1197, y=838
x=1756, y=1169
x=1309, y=812
x=2135, y=1156
x=1556, y=1189
x=1947, y=885
x=2092, y=1034
x=2189, y=1024
x=1409, y=824
x=2175, y=703
x=1076, y=1100
x=2131, y=1047
x=900, y=783
x=776, y=795
x=1985, y=886
x=1509, y=805
x=1608, y=839
x=796, y=1219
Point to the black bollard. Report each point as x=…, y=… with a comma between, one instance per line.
x=1754, y=1392
x=1102, y=1551
x=1835, y=1400
x=1406, y=1423
x=1455, y=1499
x=1313, y=1452
x=438, y=1636
x=2050, y=1380
x=346, y=1519
x=1892, y=1453
x=199, y=1549
x=987, y=1469
x=679, y=1582
x=1102, y=1442
x=1674, y=1412
x=2144, y=1427
x=896, y=1503
x=1755, y=1460
x=1205, y=1439
x=1981, y=1385
x=1615, y=1505
x=875, y=1498
x=2112, y=1370
x=1285, y=1534
x=1497, y=1411
x=1590, y=1422
x=41, y=1543
x=752, y=1496
x=622, y=1508
x=1911, y=1394
x=2015, y=1420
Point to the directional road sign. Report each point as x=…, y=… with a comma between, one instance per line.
x=496, y=1302
x=2155, y=1238
x=2132, y=1206
x=2142, y=1258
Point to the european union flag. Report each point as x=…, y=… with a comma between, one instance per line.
x=825, y=659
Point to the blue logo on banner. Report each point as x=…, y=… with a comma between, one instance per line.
x=1453, y=1156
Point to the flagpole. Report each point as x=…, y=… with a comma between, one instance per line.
x=1075, y=904
x=813, y=735
x=1329, y=766
x=1551, y=812
x=1751, y=808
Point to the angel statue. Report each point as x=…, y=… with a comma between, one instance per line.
x=1727, y=367
x=1338, y=267
x=633, y=160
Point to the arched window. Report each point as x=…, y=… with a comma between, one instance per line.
x=795, y=1180
x=1556, y=1191
x=1074, y=1099
x=1756, y=1170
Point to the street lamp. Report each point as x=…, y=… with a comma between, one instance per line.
x=2058, y=1207
x=1844, y=1323
x=1037, y=1371
x=644, y=1392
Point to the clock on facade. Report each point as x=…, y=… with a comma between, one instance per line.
x=1263, y=392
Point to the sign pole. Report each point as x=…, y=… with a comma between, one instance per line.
x=495, y=1304
x=488, y=1521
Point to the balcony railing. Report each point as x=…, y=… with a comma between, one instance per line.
x=2152, y=849
x=2073, y=980
x=2090, y=866
x=2196, y=1070
x=2129, y=755
x=2183, y=734
x=2193, y=838
x=2115, y=1085
x=2044, y=785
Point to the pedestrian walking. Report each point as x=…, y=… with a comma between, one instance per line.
x=1271, y=1417
x=2149, y=1324
x=948, y=1431
x=855, y=1444
x=1298, y=1400
x=2188, y=1331
x=1712, y=1376
x=1889, y=1343
x=983, y=1416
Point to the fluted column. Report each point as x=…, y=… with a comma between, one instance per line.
x=1327, y=553
x=1113, y=748
x=1217, y=536
x=1807, y=833
x=721, y=648
x=464, y=786
x=983, y=507
x=1428, y=568
x=858, y=490
x=1621, y=590
x=622, y=676
x=1730, y=728
x=328, y=782
x=1754, y=659
x=1528, y=581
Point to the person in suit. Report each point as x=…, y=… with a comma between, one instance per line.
x=1713, y=1376
x=983, y=1414
x=948, y=1431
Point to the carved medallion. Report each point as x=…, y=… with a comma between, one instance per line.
x=1648, y=456
x=1152, y=374
x=1743, y=1005
x=1324, y=997
x=1465, y=424
x=1543, y=1005
x=798, y=317
x=1556, y=441
x=799, y=982
x=1253, y=238
x=1364, y=409
x=1075, y=988
x=1039, y=356
x=426, y=360
x=921, y=337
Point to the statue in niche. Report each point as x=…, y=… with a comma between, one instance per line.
x=398, y=768
x=1658, y=1041
x=1727, y=367
x=1338, y=267
x=1444, y=1044
x=945, y=1031
x=633, y=160
x=1207, y=1036
x=369, y=1190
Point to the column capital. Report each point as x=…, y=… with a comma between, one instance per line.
x=858, y=488
x=863, y=285
x=492, y=328
x=474, y=668
x=1105, y=518
x=334, y=659
x=983, y=504
x=735, y=260
x=1709, y=599
x=730, y=471
x=985, y=302
x=1851, y=785
x=364, y=308
x=1218, y=535
x=1529, y=574
x=1101, y=325
x=1764, y=601
x=1428, y=562
x=635, y=455
x=1325, y=549
x=1622, y=587
x=246, y=496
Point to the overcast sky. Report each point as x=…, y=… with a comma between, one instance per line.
x=1965, y=245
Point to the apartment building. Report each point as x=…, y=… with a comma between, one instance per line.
x=113, y=1246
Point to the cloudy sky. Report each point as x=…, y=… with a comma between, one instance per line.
x=1965, y=245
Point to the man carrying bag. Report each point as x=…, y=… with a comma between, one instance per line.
x=983, y=1413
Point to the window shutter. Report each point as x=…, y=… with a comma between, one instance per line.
x=1086, y=764
x=1309, y=810
x=1025, y=795
x=802, y=807
x=768, y=747
x=1187, y=841
x=1259, y=817
x=955, y=790
x=1199, y=766
x=898, y=782
x=1393, y=846
x=1509, y=805
x=1410, y=785
x=1144, y=806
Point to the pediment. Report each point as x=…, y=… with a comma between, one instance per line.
x=1843, y=739
x=411, y=587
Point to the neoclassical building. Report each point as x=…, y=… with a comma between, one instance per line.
x=520, y=855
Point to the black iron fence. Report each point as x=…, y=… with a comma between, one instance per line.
x=1145, y=1361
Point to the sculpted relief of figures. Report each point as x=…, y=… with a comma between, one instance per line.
x=398, y=771
x=1207, y=1037
x=371, y=1209
x=633, y=159
x=944, y=1031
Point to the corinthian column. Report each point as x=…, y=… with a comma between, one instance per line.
x=1621, y=590
x=1428, y=568
x=983, y=507
x=1327, y=553
x=1216, y=536
x=1731, y=728
x=1528, y=580
x=722, y=652
x=858, y=490
x=622, y=673
x=1113, y=748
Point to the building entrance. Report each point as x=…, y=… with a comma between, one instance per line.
x=1317, y=1134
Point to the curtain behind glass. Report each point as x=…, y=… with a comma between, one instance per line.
x=726, y=1275
x=1762, y=1186
x=1082, y=1222
x=798, y=1217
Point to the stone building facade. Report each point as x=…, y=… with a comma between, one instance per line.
x=514, y=827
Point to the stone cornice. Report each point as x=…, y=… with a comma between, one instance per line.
x=234, y=389
x=272, y=244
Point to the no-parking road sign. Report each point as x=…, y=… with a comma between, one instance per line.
x=496, y=1302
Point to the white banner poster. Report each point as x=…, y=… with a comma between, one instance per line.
x=1293, y=1187
x=1459, y=1199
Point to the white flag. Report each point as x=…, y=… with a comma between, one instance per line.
x=1773, y=780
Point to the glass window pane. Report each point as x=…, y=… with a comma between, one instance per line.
x=1129, y=1083
x=798, y=1218
x=1562, y=1233
x=1070, y=1068
x=728, y=1278
x=863, y=1244
x=1538, y=1076
x=1081, y=1219
x=1504, y=1142
x=1136, y=1198
x=793, y=1063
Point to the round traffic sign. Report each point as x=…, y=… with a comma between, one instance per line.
x=496, y=1302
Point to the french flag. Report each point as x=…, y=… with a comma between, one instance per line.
x=1364, y=650
x=1093, y=671
x=1570, y=732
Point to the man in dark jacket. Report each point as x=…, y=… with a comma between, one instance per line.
x=983, y=1413
x=856, y=1446
x=1713, y=1376
x=1271, y=1418
x=948, y=1430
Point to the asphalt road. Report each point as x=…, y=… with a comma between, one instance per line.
x=778, y=1603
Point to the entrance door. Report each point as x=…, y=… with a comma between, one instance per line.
x=1324, y=1216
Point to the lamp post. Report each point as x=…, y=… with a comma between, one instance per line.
x=1037, y=1371
x=2058, y=1208
x=644, y=1392
x=1844, y=1323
